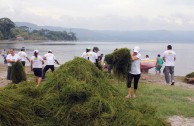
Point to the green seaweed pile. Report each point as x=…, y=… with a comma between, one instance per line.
x=120, y=60
x=17, y=73
x=76, y=94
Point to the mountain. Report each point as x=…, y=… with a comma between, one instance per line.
x=110, y=35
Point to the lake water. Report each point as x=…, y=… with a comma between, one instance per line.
x=65, y=51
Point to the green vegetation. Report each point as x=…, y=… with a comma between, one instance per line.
x=18, y=73
x=120, y=60
x=77, y=93
x=167, y=100
x=8, y=30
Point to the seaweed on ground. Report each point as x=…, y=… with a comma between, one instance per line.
x=76, y=94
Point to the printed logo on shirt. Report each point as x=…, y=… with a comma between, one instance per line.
x=169, y=53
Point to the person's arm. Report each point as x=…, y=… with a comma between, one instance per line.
x=174, y=56
x=28, y=59
x=57, y=62
x=10, y=61
x=31, y=64
x=134, y=56
x=44, y=58
x=157, y=61
x=163, y=58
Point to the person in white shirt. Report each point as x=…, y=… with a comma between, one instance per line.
x=23, y=56
x=50, y=60
x=36, y=66
x=85, y=54
x=11, y=58
x=169, y=57
x=134, y=71
x=93, y=56
x=4, y=54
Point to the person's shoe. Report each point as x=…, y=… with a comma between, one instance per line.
x=134, y=96
x=172, y=82
x=128, y=96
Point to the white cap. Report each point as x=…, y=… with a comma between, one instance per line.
x=50, y=51
x=36, y=51
x=136, y=49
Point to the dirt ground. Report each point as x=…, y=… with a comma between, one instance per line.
x=150, y=78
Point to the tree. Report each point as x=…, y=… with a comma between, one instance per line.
x=1, y=35
x=5, y=27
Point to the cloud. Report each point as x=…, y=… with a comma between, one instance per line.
x=103, y=14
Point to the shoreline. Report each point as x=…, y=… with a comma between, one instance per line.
x=145, y=77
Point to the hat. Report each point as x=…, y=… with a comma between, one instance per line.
x=50, y=51
x=23, y=48
x=136, y=49
x=96, y=48
x=88, y=48
x=36, y=51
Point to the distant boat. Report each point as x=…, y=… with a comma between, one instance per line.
x=147, y=64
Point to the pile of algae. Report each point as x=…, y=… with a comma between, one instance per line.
x=76, y=94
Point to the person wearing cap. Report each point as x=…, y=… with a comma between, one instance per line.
x=169, y=57
x=85, y=54
x=50, y=60
x=134, y=72
x=23, y=56
x=11, y=58
x=36, y=66
x=93, y=56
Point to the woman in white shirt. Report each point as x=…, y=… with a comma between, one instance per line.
x=11, y=58
x=36, y=66
x=134, y=71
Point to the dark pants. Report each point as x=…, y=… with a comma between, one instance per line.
x=46, y=68
x=23, y=63
x=136, y=80
x=9, y=73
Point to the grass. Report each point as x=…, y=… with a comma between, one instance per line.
x=168, y=100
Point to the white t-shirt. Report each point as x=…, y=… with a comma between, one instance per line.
x=92, y=56
x=36, y=62
x=85, y=55
x=169, y=56
x=22, y=55
x=12, y=58
x=135, y=65
x=50, y=59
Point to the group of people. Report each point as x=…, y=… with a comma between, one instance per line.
x=36, y=63
x=92, y=55
x=168, y=57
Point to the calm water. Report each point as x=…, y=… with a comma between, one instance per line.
x=65, y=51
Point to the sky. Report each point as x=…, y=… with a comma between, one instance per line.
x=103, y=14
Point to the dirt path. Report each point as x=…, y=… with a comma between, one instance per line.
x=159, y=79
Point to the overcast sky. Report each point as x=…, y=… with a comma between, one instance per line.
x=103, y=14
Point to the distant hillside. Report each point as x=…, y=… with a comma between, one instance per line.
x=108, y=35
